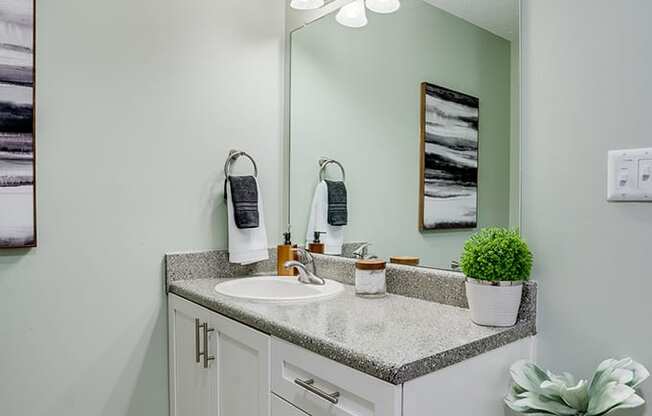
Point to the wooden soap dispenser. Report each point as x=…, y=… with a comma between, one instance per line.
x=316, y=246
x=285, y=252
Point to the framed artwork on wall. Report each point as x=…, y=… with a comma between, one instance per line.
x=450, y=121
x=17, y=160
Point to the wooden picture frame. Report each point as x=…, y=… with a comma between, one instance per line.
x=17, y=124
x=449, y=155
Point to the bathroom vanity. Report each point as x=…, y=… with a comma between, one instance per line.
x=342, y=355
x=385, y=125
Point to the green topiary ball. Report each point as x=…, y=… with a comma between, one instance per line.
x=496, y=254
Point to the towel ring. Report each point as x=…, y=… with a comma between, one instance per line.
x=323, y=163
x=235, y=155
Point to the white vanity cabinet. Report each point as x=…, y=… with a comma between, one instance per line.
x=218, y=367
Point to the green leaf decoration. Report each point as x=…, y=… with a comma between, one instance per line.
x=632, y=402
x=577, y=396
x=640, y=374
x=528, y=376
x=610, y=396
x=535, y=401
x=536, y=391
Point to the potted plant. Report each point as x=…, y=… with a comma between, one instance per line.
x=614, y=387
x=496, y=262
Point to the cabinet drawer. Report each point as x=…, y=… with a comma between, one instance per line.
x=282, y=408
x=320, y=386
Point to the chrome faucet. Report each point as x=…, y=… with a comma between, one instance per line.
x=362, y=252
x=305, y=275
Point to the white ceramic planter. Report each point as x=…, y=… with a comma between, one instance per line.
x=493, y=305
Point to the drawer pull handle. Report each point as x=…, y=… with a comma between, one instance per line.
x=207, y=357
x=310, y=386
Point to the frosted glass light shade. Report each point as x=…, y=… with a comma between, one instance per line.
x=353, y=15
x=306, y=4
x=383, y=6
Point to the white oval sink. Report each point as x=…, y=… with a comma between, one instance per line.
x=277, y=289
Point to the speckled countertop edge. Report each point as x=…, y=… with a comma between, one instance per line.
x=440, y=286
x=445, y=359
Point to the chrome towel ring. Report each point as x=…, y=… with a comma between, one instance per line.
x=235, y=155
x=323, y=164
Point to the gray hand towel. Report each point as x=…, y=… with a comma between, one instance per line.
x=244, y=195
x=337, y=210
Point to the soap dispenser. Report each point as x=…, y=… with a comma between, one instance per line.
x=317, y=246
x=285, y=252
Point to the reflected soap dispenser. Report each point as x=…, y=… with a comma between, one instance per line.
x=285, y=252
x=317, y=246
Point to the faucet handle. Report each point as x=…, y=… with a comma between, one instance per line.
x=290, y=264
x=362, y=252
x=302, y=252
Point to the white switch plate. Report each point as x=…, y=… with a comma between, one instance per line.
x=630, y=175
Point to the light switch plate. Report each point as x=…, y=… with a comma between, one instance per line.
x=630, y=175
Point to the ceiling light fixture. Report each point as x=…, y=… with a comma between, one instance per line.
x=306, y=4
x=353, y=15
x=383, y=6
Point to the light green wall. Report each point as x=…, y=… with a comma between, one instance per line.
x=355, y=97
x=138, y=103
x=587, y=83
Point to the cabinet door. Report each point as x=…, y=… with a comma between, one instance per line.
x=191, y=385
x=282, y=408
x=242, y=363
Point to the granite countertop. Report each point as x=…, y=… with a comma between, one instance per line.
x=395, y=338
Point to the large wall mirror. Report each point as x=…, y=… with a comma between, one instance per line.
x=420, y=108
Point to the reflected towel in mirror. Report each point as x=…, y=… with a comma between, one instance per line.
x=333, y=237
x=337, y=209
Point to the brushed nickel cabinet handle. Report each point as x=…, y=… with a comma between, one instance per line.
x=310, y=386
x=197, y=351
x=207, y=357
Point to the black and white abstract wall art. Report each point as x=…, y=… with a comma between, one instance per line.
x=17, y=206
x=449, y=159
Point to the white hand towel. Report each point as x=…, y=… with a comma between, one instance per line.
x=334, y=237
x=246, y=246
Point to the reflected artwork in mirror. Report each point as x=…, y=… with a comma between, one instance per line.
x=449, y=159
x=420, y=108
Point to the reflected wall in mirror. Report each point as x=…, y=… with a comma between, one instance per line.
x=356, y=97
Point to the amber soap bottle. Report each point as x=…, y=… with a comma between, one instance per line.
x=317, y=246
x=285, y=252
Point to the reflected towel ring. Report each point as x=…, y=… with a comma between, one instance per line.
x=323, y=163
x=235, y=155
